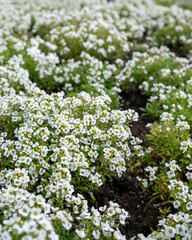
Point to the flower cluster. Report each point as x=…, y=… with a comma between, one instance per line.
x=25, y=215
x=63, y=133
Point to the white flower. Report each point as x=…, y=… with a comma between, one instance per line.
x=30, y=226
x=171, y=174
x=176, y=204
x=96, y=221
x=188, y=175
x=27, y=237
x=80, y=233
x=110, y=211
x=42, y=234
x=36, y=213
x=60, y=215
x=122, y=219
x=180, y=229
x=117, y=235
x=170, y=231
x=24, y=211
x=96, y=234
x=66, y=224
x=17, y=228
x=46, y=224
x=178, y=217
x=6, y=236
x=187, y=236
x=10, y=198
x=40, y=200
x=17, y=182
x=77, y=201
x=189, y=206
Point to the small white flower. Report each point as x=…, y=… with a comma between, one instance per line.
x=176, y=204
x=6, y=236
x=42, y=234
x=77, y=201
x=30, y=226
x=110, y=211
x=187, y=236
x=170, y=231
x=46, y=224
x=117, y=235
x=80, y=233
x=40, y=200
x=96, y=221
x=189, y=206
x=180, y=229
x=122, y=219
x=188, y=175
x=25, y=210
x=10, y=198
x=36, y=213
x=96, y=234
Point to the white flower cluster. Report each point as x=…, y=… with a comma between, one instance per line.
x=26, y=214
x=56, y=145
x=63, y=64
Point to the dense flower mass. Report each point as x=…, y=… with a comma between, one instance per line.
x=63, y=132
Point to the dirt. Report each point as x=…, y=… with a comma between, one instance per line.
x=134, y=99
x=178, y=50
x=142, y=206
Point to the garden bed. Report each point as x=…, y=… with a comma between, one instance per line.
x=95, y=120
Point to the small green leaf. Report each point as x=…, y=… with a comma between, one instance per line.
x=46, y=175
x=92, y=196
x=84, y=189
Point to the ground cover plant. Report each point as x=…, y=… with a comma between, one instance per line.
x=95, y=120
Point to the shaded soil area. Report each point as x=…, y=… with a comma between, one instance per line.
x=179, y=52
x=142, y=206
x=133, y=99
x=139, y=128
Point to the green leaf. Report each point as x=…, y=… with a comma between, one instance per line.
x=92, y=196
x=46, y=175
x=84, y=189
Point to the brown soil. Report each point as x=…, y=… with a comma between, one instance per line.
x=179, y=52
x=133, y=99
x=141, y=205
x=139, y=128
